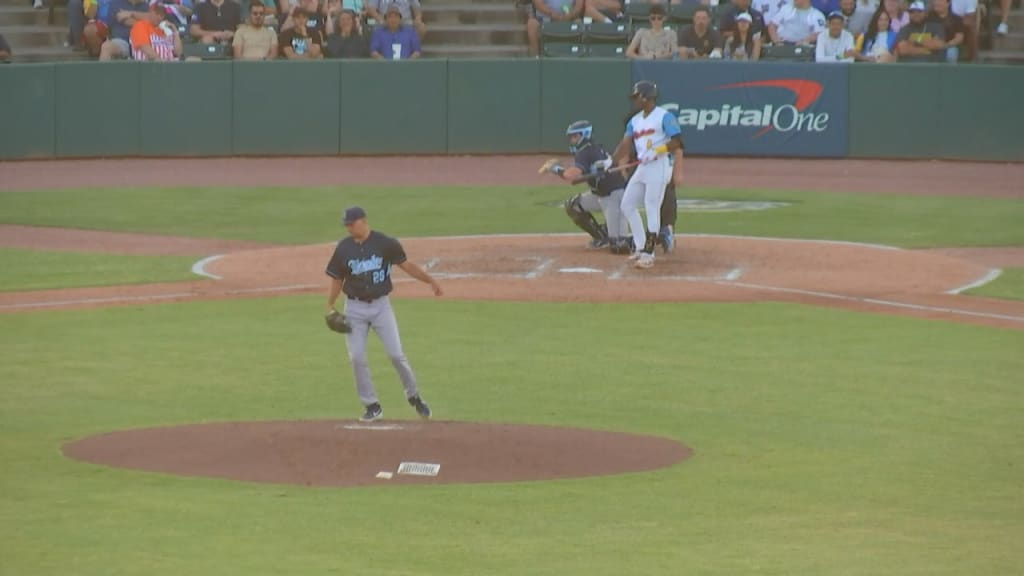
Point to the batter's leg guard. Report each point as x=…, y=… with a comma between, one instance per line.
x=669, y=206
x=585, y=220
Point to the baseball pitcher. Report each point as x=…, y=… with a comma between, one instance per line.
x=655, y=135
x=606, y=190
x=361, y=269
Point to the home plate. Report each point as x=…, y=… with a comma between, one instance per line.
x=580, y=270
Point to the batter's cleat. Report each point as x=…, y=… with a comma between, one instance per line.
x=597, y=244
x=421, y=407
x=667, y=238
x=645, y=261
x=373, y=412
x=635, y=256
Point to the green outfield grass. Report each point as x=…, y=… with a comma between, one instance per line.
x=306, y=215
x=1009, y=284
x=38, y=270
x=827, y=442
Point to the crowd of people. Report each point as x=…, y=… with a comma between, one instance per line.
x=290, y=29
x=832, y=30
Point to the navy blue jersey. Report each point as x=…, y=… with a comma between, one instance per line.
x=588, y=157
x=365, y=268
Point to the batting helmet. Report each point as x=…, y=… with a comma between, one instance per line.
x=645, y=90
x=582, y=127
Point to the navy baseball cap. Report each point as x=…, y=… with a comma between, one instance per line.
x=836, y=15
x=352, y=214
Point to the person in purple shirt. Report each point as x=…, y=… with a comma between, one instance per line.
x=394, y=41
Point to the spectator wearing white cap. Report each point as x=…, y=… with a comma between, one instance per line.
x=921, y=40
x=743, y=43
x=797, y=23
x=835, y=44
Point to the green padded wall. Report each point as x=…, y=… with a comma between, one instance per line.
x=982, y=112
x=286, y=108
x=394, y=107
x=595, y=90
x=186, y=109
x=894, y=111
x=493, y=106
x=27, y=101
x=97, y=109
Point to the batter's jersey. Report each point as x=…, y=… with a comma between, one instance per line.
x=656, y=129
x=365, y=268
x=588, y=158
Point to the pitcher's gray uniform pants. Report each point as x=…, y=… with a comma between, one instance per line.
x=610, y=206
x=378, y=315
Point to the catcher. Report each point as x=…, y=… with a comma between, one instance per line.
x=605, y=195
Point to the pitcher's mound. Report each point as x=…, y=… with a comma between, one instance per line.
x=351, y=453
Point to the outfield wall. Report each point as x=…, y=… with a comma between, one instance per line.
x=504, y=107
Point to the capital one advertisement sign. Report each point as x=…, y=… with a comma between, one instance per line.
x=754, y=108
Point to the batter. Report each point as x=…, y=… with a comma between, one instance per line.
x=655, y=135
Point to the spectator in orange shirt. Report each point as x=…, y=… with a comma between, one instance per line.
x=153, y=38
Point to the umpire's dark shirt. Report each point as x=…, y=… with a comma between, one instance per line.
x=587, y=158
x=365, y=268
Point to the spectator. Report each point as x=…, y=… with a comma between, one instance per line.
x=298, y=43
x=921, y=40
x=5, y=50
x=879, y=42
x=91, y=30
x=952, y=26
x=603, y=10
x=316, y=21
x=121, y=16
x=769, y=8
x=798, y=23
x=835, y=44
x=153, y=38
x=863, y=14
x=656, y=42
x=898, y=18
x=254, y=41
x=856, y=25
x=549, y=11
x=179, y=13
x=215, y=21
x=1004, y=18
x=394, y=40
x=825, y=6
x=968, y=11
x=727, y=23
x=410, y=11
x=347, y=41
x=743, y=43
x=699, y=40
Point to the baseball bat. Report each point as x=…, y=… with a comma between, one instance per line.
x=623, y=168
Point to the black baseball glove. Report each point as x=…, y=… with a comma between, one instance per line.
x=336, y=322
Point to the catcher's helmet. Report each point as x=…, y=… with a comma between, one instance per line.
x=646, y=90
x=582, y=127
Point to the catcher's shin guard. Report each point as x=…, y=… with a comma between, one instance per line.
x=650, y=242
x=585, y=220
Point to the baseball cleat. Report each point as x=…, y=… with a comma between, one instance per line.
x=373, y=412
x=597, y=244
x=644, y=261
x=668, y=240
x=421, y=407
x=635, y=256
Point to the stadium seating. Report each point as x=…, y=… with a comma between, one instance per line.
x=564, y=50
x=606, y=33
x=788, y=53
x=206, y=51
x=607, y=51
x=565, y=32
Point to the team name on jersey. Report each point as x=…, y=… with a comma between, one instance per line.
x=363, y=266
x=642, y=133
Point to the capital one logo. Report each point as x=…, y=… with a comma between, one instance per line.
x=781, y=118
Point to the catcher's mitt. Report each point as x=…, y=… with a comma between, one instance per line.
x=548, y=166
x=336, y=321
